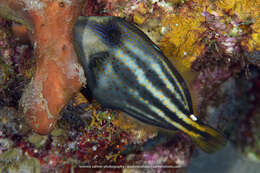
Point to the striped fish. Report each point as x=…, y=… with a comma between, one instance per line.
x=125, y=70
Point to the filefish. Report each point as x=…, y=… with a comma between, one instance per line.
x=126, y=71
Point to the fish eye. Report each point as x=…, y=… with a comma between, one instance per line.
x=112, y=34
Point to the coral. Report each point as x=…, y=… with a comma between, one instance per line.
x=10, y=124
x=15, y=60
x=105, y=138
x=171, y=156
x=5, y=144
x=234, y=109
x=14, y=161
x=254, y=43
x=86, y=134
x=213, y=39
x=230, y=28
x=57, y=75
x=236, y=24
x=146, y=14
x=182, y=38
x=210, y=43
x=33, y=5
x=244, y=9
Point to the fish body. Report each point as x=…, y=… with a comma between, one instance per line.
x=125, y=70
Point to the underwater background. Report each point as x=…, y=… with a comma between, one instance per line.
x=214, y=44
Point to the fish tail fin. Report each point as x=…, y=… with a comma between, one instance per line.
x=210, y=140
